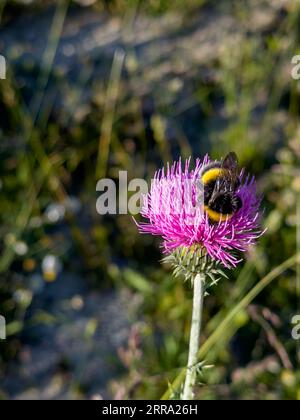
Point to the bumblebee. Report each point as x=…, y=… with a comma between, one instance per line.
x=221, y=181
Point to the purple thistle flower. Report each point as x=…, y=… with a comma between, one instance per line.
x=174, y=209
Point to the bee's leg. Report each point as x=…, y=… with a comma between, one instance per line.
x=236, y=202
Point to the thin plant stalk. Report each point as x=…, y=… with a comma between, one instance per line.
x=109, y=113
x=191, y=371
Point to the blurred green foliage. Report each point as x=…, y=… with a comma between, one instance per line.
x=250, y=105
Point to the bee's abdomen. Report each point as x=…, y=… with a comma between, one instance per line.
x=223, y=206
x=223, y=203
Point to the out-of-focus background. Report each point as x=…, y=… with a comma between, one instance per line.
x=94, y=87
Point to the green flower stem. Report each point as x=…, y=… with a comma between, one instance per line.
x=191, y=371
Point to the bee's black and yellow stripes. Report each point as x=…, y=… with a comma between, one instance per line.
x=209, y=177
x=211, y=174
x=215, y=216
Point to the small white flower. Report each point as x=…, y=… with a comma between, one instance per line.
x=55, y=212
x=51, y=267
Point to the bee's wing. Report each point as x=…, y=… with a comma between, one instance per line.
x=230, y=162
x=228, y=181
